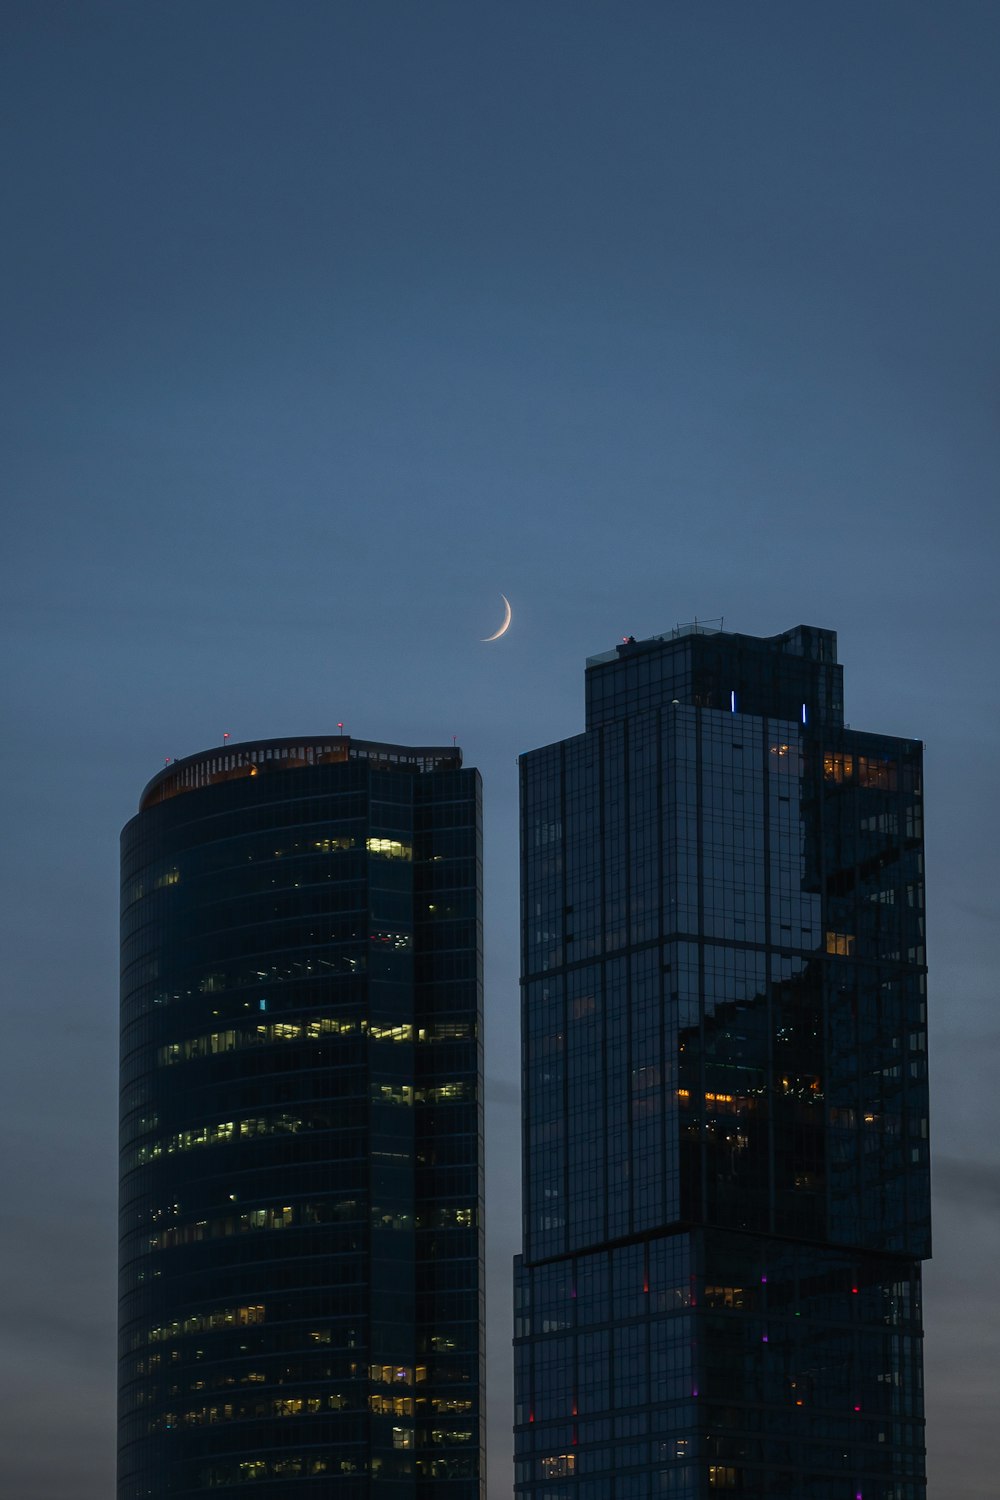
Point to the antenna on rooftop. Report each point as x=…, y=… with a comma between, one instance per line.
x=699, y=627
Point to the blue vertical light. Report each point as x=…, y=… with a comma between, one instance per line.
x=732, y=701
x=804, y=719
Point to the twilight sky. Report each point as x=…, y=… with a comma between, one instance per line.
x=324, y=323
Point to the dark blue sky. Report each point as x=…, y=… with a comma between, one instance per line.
x=323, y=324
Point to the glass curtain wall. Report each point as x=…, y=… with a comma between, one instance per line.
x=301, y=1127
x=725, y=1085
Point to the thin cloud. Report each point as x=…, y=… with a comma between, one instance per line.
x=69, y=1335
x=964, y=1182
x=503, y=1093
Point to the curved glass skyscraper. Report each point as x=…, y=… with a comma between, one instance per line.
x=301, y=1126
x=725, y=1086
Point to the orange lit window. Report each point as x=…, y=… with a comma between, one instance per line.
x=837, y=766
x=724, y=1296
x=558, y=1465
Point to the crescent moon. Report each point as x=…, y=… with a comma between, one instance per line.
x=497, y=634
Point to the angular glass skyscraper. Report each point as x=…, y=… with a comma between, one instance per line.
x=725, y=1083
x=301, y=1292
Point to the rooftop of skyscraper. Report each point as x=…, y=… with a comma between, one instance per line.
x=794, y=675
x=802, y=640
x=253, y=757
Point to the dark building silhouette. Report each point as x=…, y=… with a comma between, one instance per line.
x=725, y=1086
x=301, y=1285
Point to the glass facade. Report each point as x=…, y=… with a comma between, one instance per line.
x=726, y=1194
x=301, y=1266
